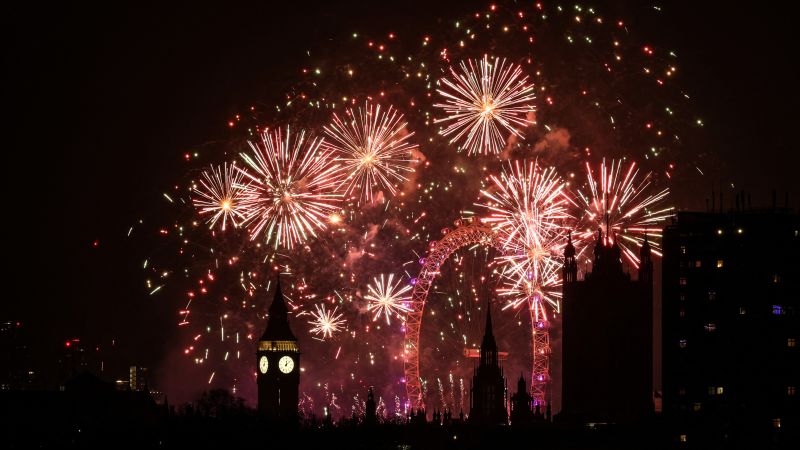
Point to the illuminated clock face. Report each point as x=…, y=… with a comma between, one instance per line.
x=263, y=364
x=286, y=364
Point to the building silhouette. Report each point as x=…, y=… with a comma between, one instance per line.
x=16, y=368
x=731, y=287
x=488, y=397
x=521, y=401
x=607, y=367
x=278, y=365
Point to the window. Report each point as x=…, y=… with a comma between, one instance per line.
x=776, y=278
x=742, y=311
x=683, y=297
x=682, y=392
x=696, y=406
x=698, y=263
x=777, y=310
x=791, y=391
x=683, y=281
x=683, y=438
x=776, y=423
x=791, y=342
x=682, y=343
x=683, y=249
x=720, y=263
x=682, y=312
x=712, y=295
x=710, y=327
x=716, y=390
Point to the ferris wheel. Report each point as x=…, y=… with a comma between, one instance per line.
x=469, y=232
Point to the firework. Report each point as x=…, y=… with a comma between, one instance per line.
x=326, y=322
x=373, y=148
x=483, y=99
x=530, y=212
x=293, y=188
x=386, y=299
x=625, y=206
x=219, y=195
x=598, y=92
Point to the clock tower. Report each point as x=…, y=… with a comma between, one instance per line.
x=278, y=364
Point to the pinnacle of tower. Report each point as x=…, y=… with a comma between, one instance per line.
x=569, y=249
x=278, y=325
x=488, y=335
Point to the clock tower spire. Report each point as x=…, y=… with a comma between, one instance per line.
x=278, y=364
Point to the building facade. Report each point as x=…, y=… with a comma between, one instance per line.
x=731, y=287
x=607, y=354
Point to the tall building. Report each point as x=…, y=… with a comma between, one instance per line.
x=16, y=368
x=488, y=397
x=607, y=359
x=731, y=287
x=278, y=364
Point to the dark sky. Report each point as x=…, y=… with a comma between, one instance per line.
x=104, y=100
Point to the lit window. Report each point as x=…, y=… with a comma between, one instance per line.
x=742, y=311
x=720, y=263
x=696, y=406
x=712, y=295
x=720, y=390
x=791, y=342
x=791, y=391
x=682, y=343
x=683, y=281
x=711, y=327
x=683, y=249
x=711, y=390
x=776, y=422
x=776, y=278
x=683, y=297
x=683, y=438
x=682, y=312
x=698, y=263
x=777, y=310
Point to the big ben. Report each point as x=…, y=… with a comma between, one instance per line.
x=278, y=360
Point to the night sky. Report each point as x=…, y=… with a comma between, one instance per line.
x=105, y=100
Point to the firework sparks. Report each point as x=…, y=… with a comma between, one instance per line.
x=480, y=100
x=386, y=299
x=620, y=203
x=220, y=194
x=293, y=189
x=326, y=322
x=373, y=147
x=530, y=213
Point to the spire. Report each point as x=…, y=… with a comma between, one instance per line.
x=522, y=386
x=489, y=345
x=278, y=325
x=488, y=331
x=569, y=250
x=278, y=306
